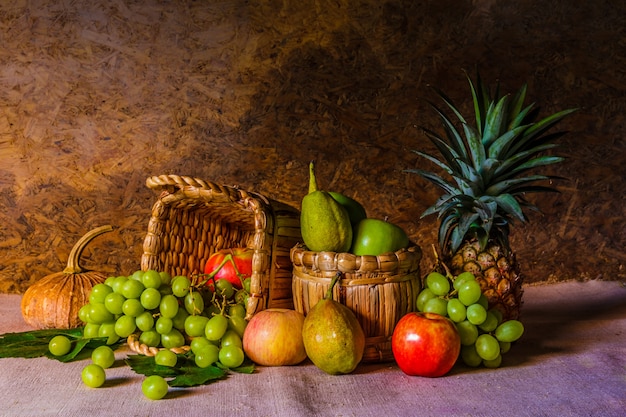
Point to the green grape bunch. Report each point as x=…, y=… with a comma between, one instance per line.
x=169, y=313
x=485, y=337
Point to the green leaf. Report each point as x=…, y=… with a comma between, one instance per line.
x=435, y=179
x=34, y=344
x=505, y=186
x=495, y=121
x=185, y=373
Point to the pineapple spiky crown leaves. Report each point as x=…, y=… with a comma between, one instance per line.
x=489, y=165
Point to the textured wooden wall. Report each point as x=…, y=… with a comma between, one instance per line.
x=95, y=96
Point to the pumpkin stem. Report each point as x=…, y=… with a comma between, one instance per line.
x=73, y=266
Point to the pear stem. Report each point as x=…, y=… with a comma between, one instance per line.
x=312, y=180
x=329, y=293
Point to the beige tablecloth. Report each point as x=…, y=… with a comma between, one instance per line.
x=571, y=362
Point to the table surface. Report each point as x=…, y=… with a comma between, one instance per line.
x=570, y=362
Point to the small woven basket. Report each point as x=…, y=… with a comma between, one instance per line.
x=378, y=289
x=192, y=219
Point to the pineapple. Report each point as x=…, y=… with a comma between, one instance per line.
x=488, y=168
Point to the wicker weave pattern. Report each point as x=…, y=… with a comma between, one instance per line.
x=193, y=218
x=378, y=289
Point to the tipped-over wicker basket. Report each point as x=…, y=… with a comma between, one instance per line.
x=192, y=219
x=378, y=289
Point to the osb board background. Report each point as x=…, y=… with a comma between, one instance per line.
x=95, y=96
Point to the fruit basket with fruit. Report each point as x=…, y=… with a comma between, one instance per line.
x=193, y=218
x=379, y=267
x=378, y=289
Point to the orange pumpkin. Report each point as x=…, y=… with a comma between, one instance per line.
x=54, y=301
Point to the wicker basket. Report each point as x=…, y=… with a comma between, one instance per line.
x=192, y=219
x=378, y=289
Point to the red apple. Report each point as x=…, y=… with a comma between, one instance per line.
x=236, y=265
x=425, y=344
x=273, y=337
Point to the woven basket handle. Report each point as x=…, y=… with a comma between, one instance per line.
x=172, y=183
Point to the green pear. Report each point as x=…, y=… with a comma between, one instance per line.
x=356, y=211
x=333, y=337
x=324, y=222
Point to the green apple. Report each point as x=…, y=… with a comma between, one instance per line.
x=375, y=237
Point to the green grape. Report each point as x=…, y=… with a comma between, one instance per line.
x=497, y=313
x=468, y=332
x=151, y=279
x=205, y=356
x=211, y=310
x=490, y=323
x=118, y=283
x=246, y=284
x=424, y=295
x=103, y=356
x=231, y=338
x=180, y=286
x=165, y=357
x=504, y=347
x=476, y=314
x=108, y=330
x=238, y=324
x=91, y=330
x=224, y=288
x=165, y=289
x=99, y=314
x=109, y=281
x=487, y=347
x=483, y=301
x=461, y=278
x=150, y=338
x=231, y=356
x=114, y=302
x=99, y=292
x=436, y=305
x=469, y=356
x=216, y=327
x=456, y=310
x=494, y=363
x=197, y=343
x=469, y=292
x=237, y=310
x=178, y=322
x=194, y=325
x=125, y=326
x=150, y=298
x=166, y=278
x=438, y=283
x=60, y=345
x=132, y=288
x=145, y=321
x=168, y=306
x=137, y=275
x=194, y=304
x=509, y=331
x=154, y=387
x=164, y=325
x=173, y=339
x=241, y=297
x=132, y=307
x=83, y=313
x=93, y=375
